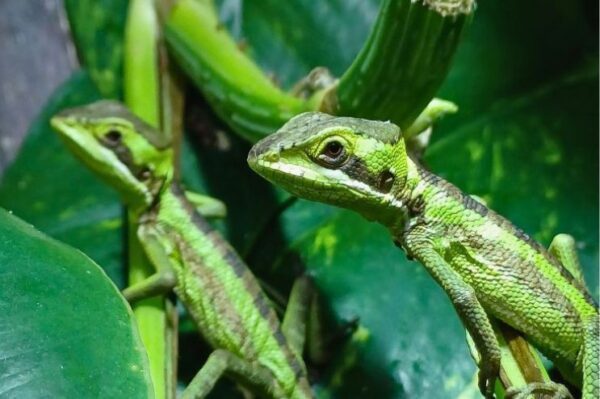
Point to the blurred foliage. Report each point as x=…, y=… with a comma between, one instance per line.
x=525, y=139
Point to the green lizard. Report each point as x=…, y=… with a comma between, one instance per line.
x=217, y=288
x=487, y=266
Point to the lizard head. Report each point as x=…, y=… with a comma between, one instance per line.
x=349, y=162
x=127, y=153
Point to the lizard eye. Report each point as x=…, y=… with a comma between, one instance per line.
x=333, y=149
x=333, y=153
x=113, y=137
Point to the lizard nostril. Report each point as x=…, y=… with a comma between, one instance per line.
x=271, y=157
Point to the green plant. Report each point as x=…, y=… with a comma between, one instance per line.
x=525, y=140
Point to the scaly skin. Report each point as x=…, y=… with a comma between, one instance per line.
x=217, y=288
x=487, y=266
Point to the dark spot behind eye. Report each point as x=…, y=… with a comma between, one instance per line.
x=144, y=174
x=113, y=137
x=386, y=181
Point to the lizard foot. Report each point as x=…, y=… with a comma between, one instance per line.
x=488, y=372
x=550, y=390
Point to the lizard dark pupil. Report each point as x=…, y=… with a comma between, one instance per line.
x=333, y=149
x=113, y=136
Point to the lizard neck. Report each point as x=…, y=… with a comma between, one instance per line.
x=154, y=190
x=408, y=203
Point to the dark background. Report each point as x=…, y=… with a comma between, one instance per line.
x=36, y=55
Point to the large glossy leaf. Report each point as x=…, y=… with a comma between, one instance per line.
x=514, y=47
x=47, y=186
x=66, y=331
x=525, y=140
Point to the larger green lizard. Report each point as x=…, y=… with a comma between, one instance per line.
x=487, y=266
x=217, y=288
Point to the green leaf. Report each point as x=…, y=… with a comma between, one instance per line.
x=523, y=106
x=66, y=331
x=515, y=47
x=290, y=38
x=48, y=186
x=98, y=28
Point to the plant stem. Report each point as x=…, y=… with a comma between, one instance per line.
x=399, y=69
x=404, y=60
x=149, y=313
x=236, y=88
x=145, y=86
x=520, y=364
x=141, y=71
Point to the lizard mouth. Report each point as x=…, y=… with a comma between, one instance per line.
x=68, y=131
x=279, y=172
x=300, y=181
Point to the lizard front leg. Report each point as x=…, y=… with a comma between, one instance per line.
x=161, y=282
x=463, y=297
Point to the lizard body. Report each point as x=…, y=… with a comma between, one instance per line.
x=217, y=288
x=486, y=265
x=219, y=291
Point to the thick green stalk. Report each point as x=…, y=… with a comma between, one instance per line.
x=149, y=313
x=141, y=72
x=234, y=85
x=404, y=60
x=396, y=74
x=142, y=96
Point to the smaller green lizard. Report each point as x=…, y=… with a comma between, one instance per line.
x=487, y=266
x=217, y=288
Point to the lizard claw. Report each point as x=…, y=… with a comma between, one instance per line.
x=488, y=372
